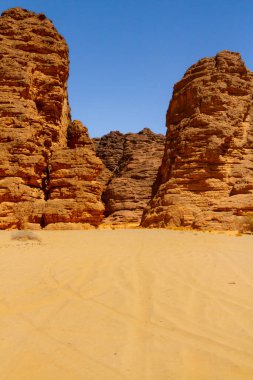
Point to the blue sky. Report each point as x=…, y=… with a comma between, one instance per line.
x=126, y=55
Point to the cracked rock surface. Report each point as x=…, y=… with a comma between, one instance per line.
x=48, y=166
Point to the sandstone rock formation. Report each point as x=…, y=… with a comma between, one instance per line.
x=131, y=163
x=48, y=165
x=206, y=177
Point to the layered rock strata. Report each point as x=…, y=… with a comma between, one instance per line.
x=206, y=177
x=131, y=163
x=48, y=166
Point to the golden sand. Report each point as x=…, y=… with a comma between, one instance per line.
x=126, y=304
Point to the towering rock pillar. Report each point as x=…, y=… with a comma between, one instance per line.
x=206, y=177
x=35, y=122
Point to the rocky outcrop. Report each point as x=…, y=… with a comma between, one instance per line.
x=131, y=163
x=48, y=164
x=206, y=177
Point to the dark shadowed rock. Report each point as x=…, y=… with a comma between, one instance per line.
x=131, y=163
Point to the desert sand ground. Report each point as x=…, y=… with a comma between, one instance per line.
x=126, y=304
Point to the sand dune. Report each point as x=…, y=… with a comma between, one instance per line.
x=126, y=304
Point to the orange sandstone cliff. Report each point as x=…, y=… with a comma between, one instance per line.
x=206, y=177
x=48, y=166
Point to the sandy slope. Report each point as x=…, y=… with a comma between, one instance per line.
x=126, y=304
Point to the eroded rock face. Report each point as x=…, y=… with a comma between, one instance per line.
x=109, y=148
x=131, y=163
x=48, y=164
x=206, y=177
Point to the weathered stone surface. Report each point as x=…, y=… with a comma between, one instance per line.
x=131, y=164
x=206, y=177
x=109, y=149
x=38, y=142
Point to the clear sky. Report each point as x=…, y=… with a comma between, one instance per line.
x=126, y=55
